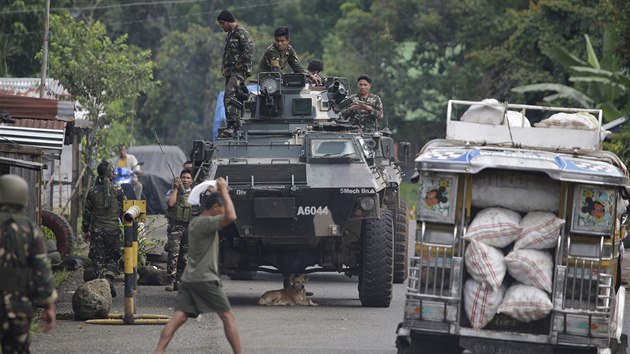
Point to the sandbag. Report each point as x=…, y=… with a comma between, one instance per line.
x=525, y=303
x=539, y=230
x=515, y=190
x=495, y=226
x=531, y=267
x=481, y=303
x=485, y=264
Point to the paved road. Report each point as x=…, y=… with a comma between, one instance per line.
x=338, y=325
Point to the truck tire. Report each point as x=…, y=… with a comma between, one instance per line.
x=376, y=261
x=401, y=244
x=62, y=230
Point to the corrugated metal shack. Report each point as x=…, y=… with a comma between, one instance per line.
x=33, y=132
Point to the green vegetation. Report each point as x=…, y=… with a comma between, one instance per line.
x=156, y=65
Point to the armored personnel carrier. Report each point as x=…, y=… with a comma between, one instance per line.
x=312, y=193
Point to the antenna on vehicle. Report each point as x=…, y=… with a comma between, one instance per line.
x=163, y=154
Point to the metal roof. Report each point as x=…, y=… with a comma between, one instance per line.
x=29, y=87
x=36, y=121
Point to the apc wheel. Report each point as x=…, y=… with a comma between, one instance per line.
x=375, y=279
x=401, y=238
x=62, y=230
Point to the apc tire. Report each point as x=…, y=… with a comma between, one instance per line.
x=376, y=273
x=62, y=230
x=401, y=243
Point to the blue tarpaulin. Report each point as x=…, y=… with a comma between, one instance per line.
x=219, y=112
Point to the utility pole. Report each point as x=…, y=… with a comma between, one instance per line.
x=42, y=84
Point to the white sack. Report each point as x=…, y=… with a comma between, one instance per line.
x=489, y=112
x=485, y=264
x=516, y=119
x=528, y=192
x=481, y=303
x=531, y=267
x=495, y=226
x=539, y=230
x=579, y=120
x=525, y=303
x=195, y=193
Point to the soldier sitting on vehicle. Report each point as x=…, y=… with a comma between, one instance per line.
x=278, y=54
x=366, y=108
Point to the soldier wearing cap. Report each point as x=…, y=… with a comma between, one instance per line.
x=26, y=277
x=236, y=66
x=101, y=224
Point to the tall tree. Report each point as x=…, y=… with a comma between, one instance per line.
x=97, y=71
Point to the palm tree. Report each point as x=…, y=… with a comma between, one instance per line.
x=599, y=83
x=8, y=50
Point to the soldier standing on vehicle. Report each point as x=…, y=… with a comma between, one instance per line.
x=236, y=67
x=101, y=224
x=366, y=108
x=129, y=161
x=201, y=288
x=279, y=53
x=178, y=214
x=24, y=269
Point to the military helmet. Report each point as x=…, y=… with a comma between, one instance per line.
x=104, y=169
x=13, y=190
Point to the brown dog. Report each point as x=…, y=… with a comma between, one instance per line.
x=295, y=294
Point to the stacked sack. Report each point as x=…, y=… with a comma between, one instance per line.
x=531, y=266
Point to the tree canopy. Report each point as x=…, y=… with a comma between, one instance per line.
x=420, y=53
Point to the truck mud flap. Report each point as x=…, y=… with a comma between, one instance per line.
x=489, y=346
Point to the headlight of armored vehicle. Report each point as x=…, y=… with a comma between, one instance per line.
x=367, y=203
x=269, y=82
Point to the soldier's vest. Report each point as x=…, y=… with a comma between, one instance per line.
x=181, y=212
x=106, y=208
x=14, y=271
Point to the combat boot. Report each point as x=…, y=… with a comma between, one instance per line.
x=173, y=287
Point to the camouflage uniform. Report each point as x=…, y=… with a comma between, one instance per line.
x=101, y=218
x=176, y=246
x=236, y=67
x=365, y=119
x=275, y=60
x=26, y=278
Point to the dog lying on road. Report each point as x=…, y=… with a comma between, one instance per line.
x=295, y=294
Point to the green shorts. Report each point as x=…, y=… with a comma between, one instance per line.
x=202, y=297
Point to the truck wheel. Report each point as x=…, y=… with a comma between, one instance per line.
x=243, y=275
x=62, y=230
x=401, y=237
x=376, y=260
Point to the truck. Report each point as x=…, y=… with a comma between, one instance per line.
x=556, y=170
x=313, y=193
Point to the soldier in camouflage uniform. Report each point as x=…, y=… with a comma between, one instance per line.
x=26, y=277
x=366, y=108
x=178, y=214
x=279, y=53
x=101, y=224
x=236, y=66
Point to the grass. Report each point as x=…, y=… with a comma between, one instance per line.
x=58, y=279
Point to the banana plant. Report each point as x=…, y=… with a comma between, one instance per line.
x=599, y=83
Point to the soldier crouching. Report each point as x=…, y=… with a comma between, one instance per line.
x=178, y=214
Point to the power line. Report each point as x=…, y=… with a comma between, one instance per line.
x=133, y=4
